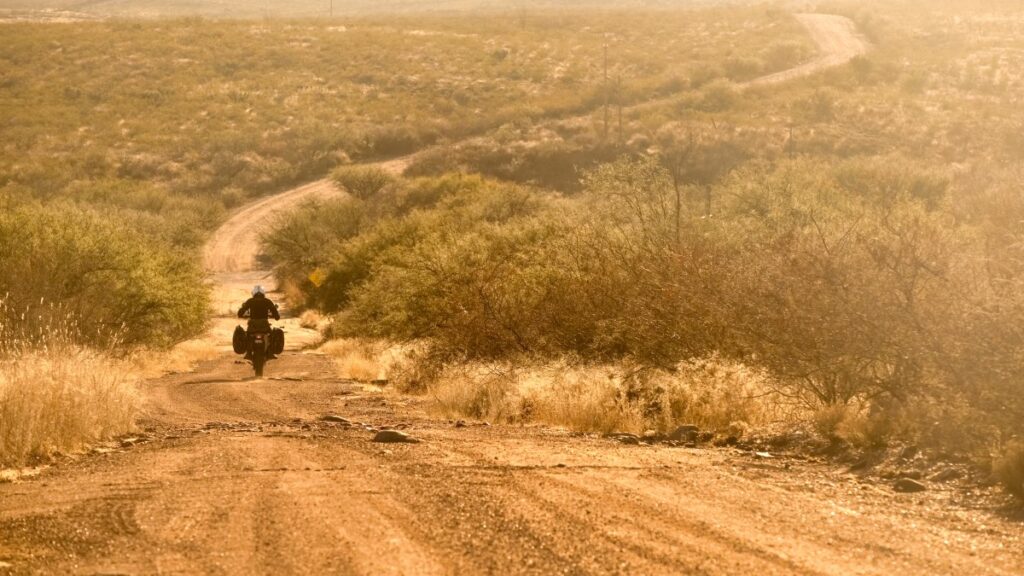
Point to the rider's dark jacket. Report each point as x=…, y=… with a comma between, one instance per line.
x=259, y=307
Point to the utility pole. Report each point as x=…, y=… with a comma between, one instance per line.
x=332, y=8
x=618, y=103
x=605, y=90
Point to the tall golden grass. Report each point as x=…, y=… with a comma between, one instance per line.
x=59, y=400
x=714, y=394
x=56, y=396
x=365, y=359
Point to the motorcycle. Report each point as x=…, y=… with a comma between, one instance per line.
x=259, y=343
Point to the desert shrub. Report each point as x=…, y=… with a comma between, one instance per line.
x=477, y=391
x=827, y=420
x=1009, y=469
x=310, y=319
x=820, y=107
x=714, y=394
x=357, y=359
x=718, y=96
x=348, y=240
x=452, y=276
x=742, y=68
x=527, y=158
x=362, y=182
x=299, y=242
x=111, y=284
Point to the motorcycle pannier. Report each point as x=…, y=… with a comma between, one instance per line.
x=276, y=341
x=239, y=342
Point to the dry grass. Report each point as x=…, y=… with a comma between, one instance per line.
x=60, y=400
x=1010, y=469
x=181, y=358
x=311, y=319
x=367, y=360
x=712, y=394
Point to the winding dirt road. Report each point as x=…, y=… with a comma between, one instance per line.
x=838, y=43
x=240, y=476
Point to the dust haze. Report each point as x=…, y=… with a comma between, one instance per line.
x=306, y=8
x=474, y=287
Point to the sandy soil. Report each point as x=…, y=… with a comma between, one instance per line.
x=233, y=475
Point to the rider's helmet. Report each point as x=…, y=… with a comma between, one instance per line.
x=258, y=290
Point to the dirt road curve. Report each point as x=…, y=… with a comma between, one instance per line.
x=239, y=476
x=838, y=43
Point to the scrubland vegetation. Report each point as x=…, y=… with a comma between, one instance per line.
x=657, y=245
x=192, y=118
x=849, y=243
x=125, y=142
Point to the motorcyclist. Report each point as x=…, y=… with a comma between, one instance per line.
x=259, y=309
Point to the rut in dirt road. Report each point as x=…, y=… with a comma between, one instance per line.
x=242, y=476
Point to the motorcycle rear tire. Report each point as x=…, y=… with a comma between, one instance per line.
x=259, y=360
x=239, y=340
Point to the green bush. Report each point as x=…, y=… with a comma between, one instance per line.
x=115, y=286
x=362, y=182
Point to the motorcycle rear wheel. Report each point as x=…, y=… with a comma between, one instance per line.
x=259, y=360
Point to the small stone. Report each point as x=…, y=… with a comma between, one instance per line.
x=379, y=382
x=394, y=436
x=912, y=474
x=6, y=564
x=762, y=455
x=335, y=418
x=947, y=475
x=460, y=424
x=908, y=485
x=909, y=452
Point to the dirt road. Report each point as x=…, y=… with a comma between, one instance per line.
x=838, y=43
x=240, y=476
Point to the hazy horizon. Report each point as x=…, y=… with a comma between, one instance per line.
x=310, y=8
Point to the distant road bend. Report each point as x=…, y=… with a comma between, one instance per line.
x=241, y=476
x=234, y=247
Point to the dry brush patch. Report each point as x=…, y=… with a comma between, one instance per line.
x=59, y=400
x=715, y=394
x=369, y=360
